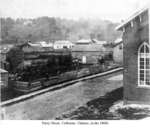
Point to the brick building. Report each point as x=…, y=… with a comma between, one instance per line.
x=136, y=52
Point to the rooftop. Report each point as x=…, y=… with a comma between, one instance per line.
x=118, y=40
x=5, y=48
x=84, y=41
x=89, y=47
x=137, y=13
x=63, y=42
x=45, y=44
x=3, y=71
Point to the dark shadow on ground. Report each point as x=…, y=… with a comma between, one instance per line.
x=96, y=109
x=133, y=113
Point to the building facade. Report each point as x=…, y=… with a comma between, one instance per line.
x=4, y=49
x=3, y=79
x=118, y=52
x=88, y=53
x=63, y=44
x=136, y=57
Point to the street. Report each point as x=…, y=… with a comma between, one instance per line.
x=52, y=104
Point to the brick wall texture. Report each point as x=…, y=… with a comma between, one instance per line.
x=133, y=37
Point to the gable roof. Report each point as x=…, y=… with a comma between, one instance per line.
x=3, y=71
x=139, y=12
x=84, y=41
x=88, y=48
x=5, y=48
x=118, y=40
x=45, y=44
x=36, y=47
x=63, y=42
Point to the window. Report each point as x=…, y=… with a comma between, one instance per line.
x=144, y=65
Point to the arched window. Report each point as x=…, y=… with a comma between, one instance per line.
x=144, y=65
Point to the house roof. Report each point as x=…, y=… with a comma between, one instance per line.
x=44, y=44
x=139, y=12
x=118, y=40
x=117, y=44
x=90, y=48
x=37, y=47
x=5, y=48
x=3, y=71
x=84, y=41
x=63, y=42
x=100, y=42
x=34, y=44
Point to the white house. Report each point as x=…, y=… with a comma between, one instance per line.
x=60, y=44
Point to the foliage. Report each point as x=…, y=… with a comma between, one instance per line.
x=14, y=58
x=51, y=29
x=56, y=64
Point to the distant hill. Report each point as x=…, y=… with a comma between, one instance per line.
x=51, y=29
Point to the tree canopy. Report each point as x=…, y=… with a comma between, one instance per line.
x=51, y=29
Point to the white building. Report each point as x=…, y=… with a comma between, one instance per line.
x=60, y=44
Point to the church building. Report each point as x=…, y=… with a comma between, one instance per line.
x=136, y=57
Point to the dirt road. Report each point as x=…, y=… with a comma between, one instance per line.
x=52, y=104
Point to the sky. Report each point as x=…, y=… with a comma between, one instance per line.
x=114, y=10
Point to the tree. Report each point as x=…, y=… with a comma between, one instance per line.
x=51, y=29
x=14, y=58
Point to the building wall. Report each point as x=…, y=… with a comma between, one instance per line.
x=91, y=56
x=118, y=53
x=3, y=56
x=4, y=80
x=2, y=60
x=133, y=37
x=61, y=46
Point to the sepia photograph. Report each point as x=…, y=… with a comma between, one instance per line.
x=74, y=60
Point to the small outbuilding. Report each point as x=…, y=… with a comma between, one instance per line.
x=136, y=52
